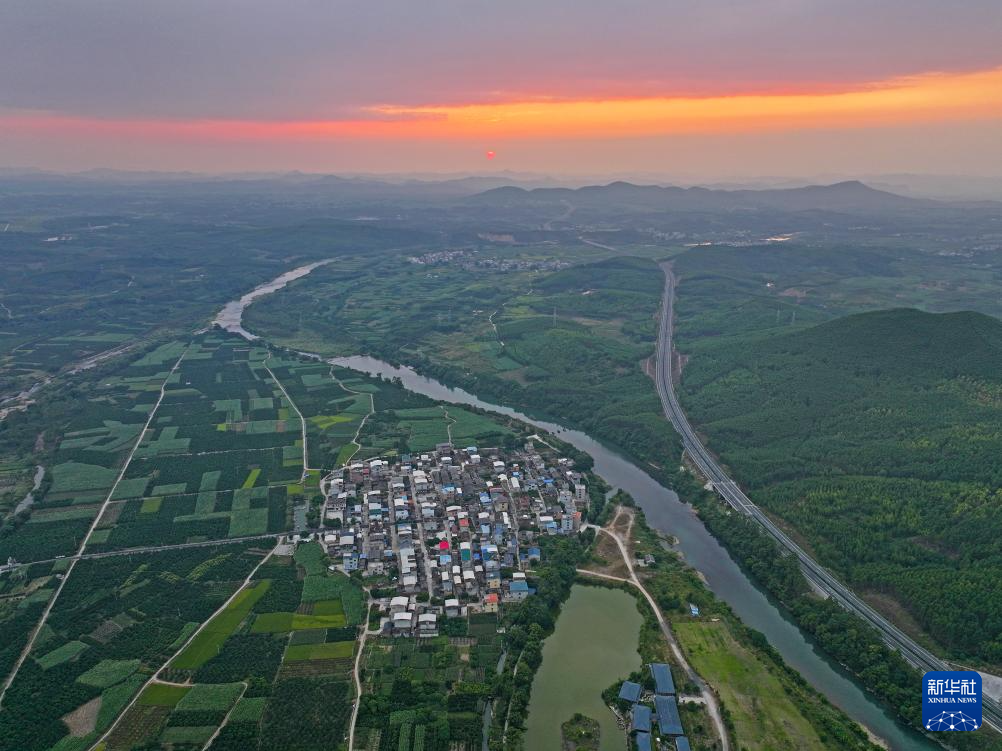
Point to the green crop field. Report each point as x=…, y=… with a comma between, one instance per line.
x=327, y=651
x=109, y=672
x=116, y=621
x=162, y=695
x=209, y=640
x=248, y=709
x=277, y=622
x=220, y=696
x=181, y=736
x=61, y=654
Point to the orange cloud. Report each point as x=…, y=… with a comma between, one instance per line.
x=926, y=97
x=934, y=97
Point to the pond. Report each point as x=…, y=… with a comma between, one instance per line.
x=594, y=644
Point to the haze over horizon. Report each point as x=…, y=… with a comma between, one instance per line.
x=713, y=89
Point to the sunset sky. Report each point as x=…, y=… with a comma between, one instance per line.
x=703, y=88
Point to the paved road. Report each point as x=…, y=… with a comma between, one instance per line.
x=816, y=574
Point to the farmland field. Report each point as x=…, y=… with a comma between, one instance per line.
x=117, y=620
x=432, y=689
x=204, y=646
x=291, y=662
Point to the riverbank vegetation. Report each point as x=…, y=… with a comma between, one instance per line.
x=766, y=705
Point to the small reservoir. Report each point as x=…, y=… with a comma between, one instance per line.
x=594, y=644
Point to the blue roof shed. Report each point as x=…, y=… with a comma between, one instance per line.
x=630, y=691
x=643, y=742
x=682, y=744
x=641, y=719
x=663, y=683
x=669, y=723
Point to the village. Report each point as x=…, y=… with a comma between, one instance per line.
x=450, y=532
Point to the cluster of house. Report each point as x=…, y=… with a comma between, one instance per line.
x=452, y=529
x=664, y=713
x=470, y=260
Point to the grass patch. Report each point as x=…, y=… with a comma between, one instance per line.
x=100, y=536
x=151, y=505
x=326, y=421
x=312, y=558
x=763, y=715
x=131, y=487
x=70, y=476
x=328, y=607
x=174, y=488
x=210, y=696
x=197, y=736
x=347, y=451
x=252, y=521
x=248, y=710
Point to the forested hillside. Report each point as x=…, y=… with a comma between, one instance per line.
x=877, y=437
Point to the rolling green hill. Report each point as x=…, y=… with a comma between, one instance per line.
x=878, y=438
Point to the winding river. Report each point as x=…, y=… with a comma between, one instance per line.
x=665, y=512
x=231, y=316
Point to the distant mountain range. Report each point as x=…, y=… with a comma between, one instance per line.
x=498, y=191
x=850, y=196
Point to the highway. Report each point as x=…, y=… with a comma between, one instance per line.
x=816, y=574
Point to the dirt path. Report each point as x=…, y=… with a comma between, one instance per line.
x=356, y=674
x=708, y=697
x=302, y=420
x=226, y=719
x=497, y=334
x=449, y=422
x=569, y=209
x=372, y=411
